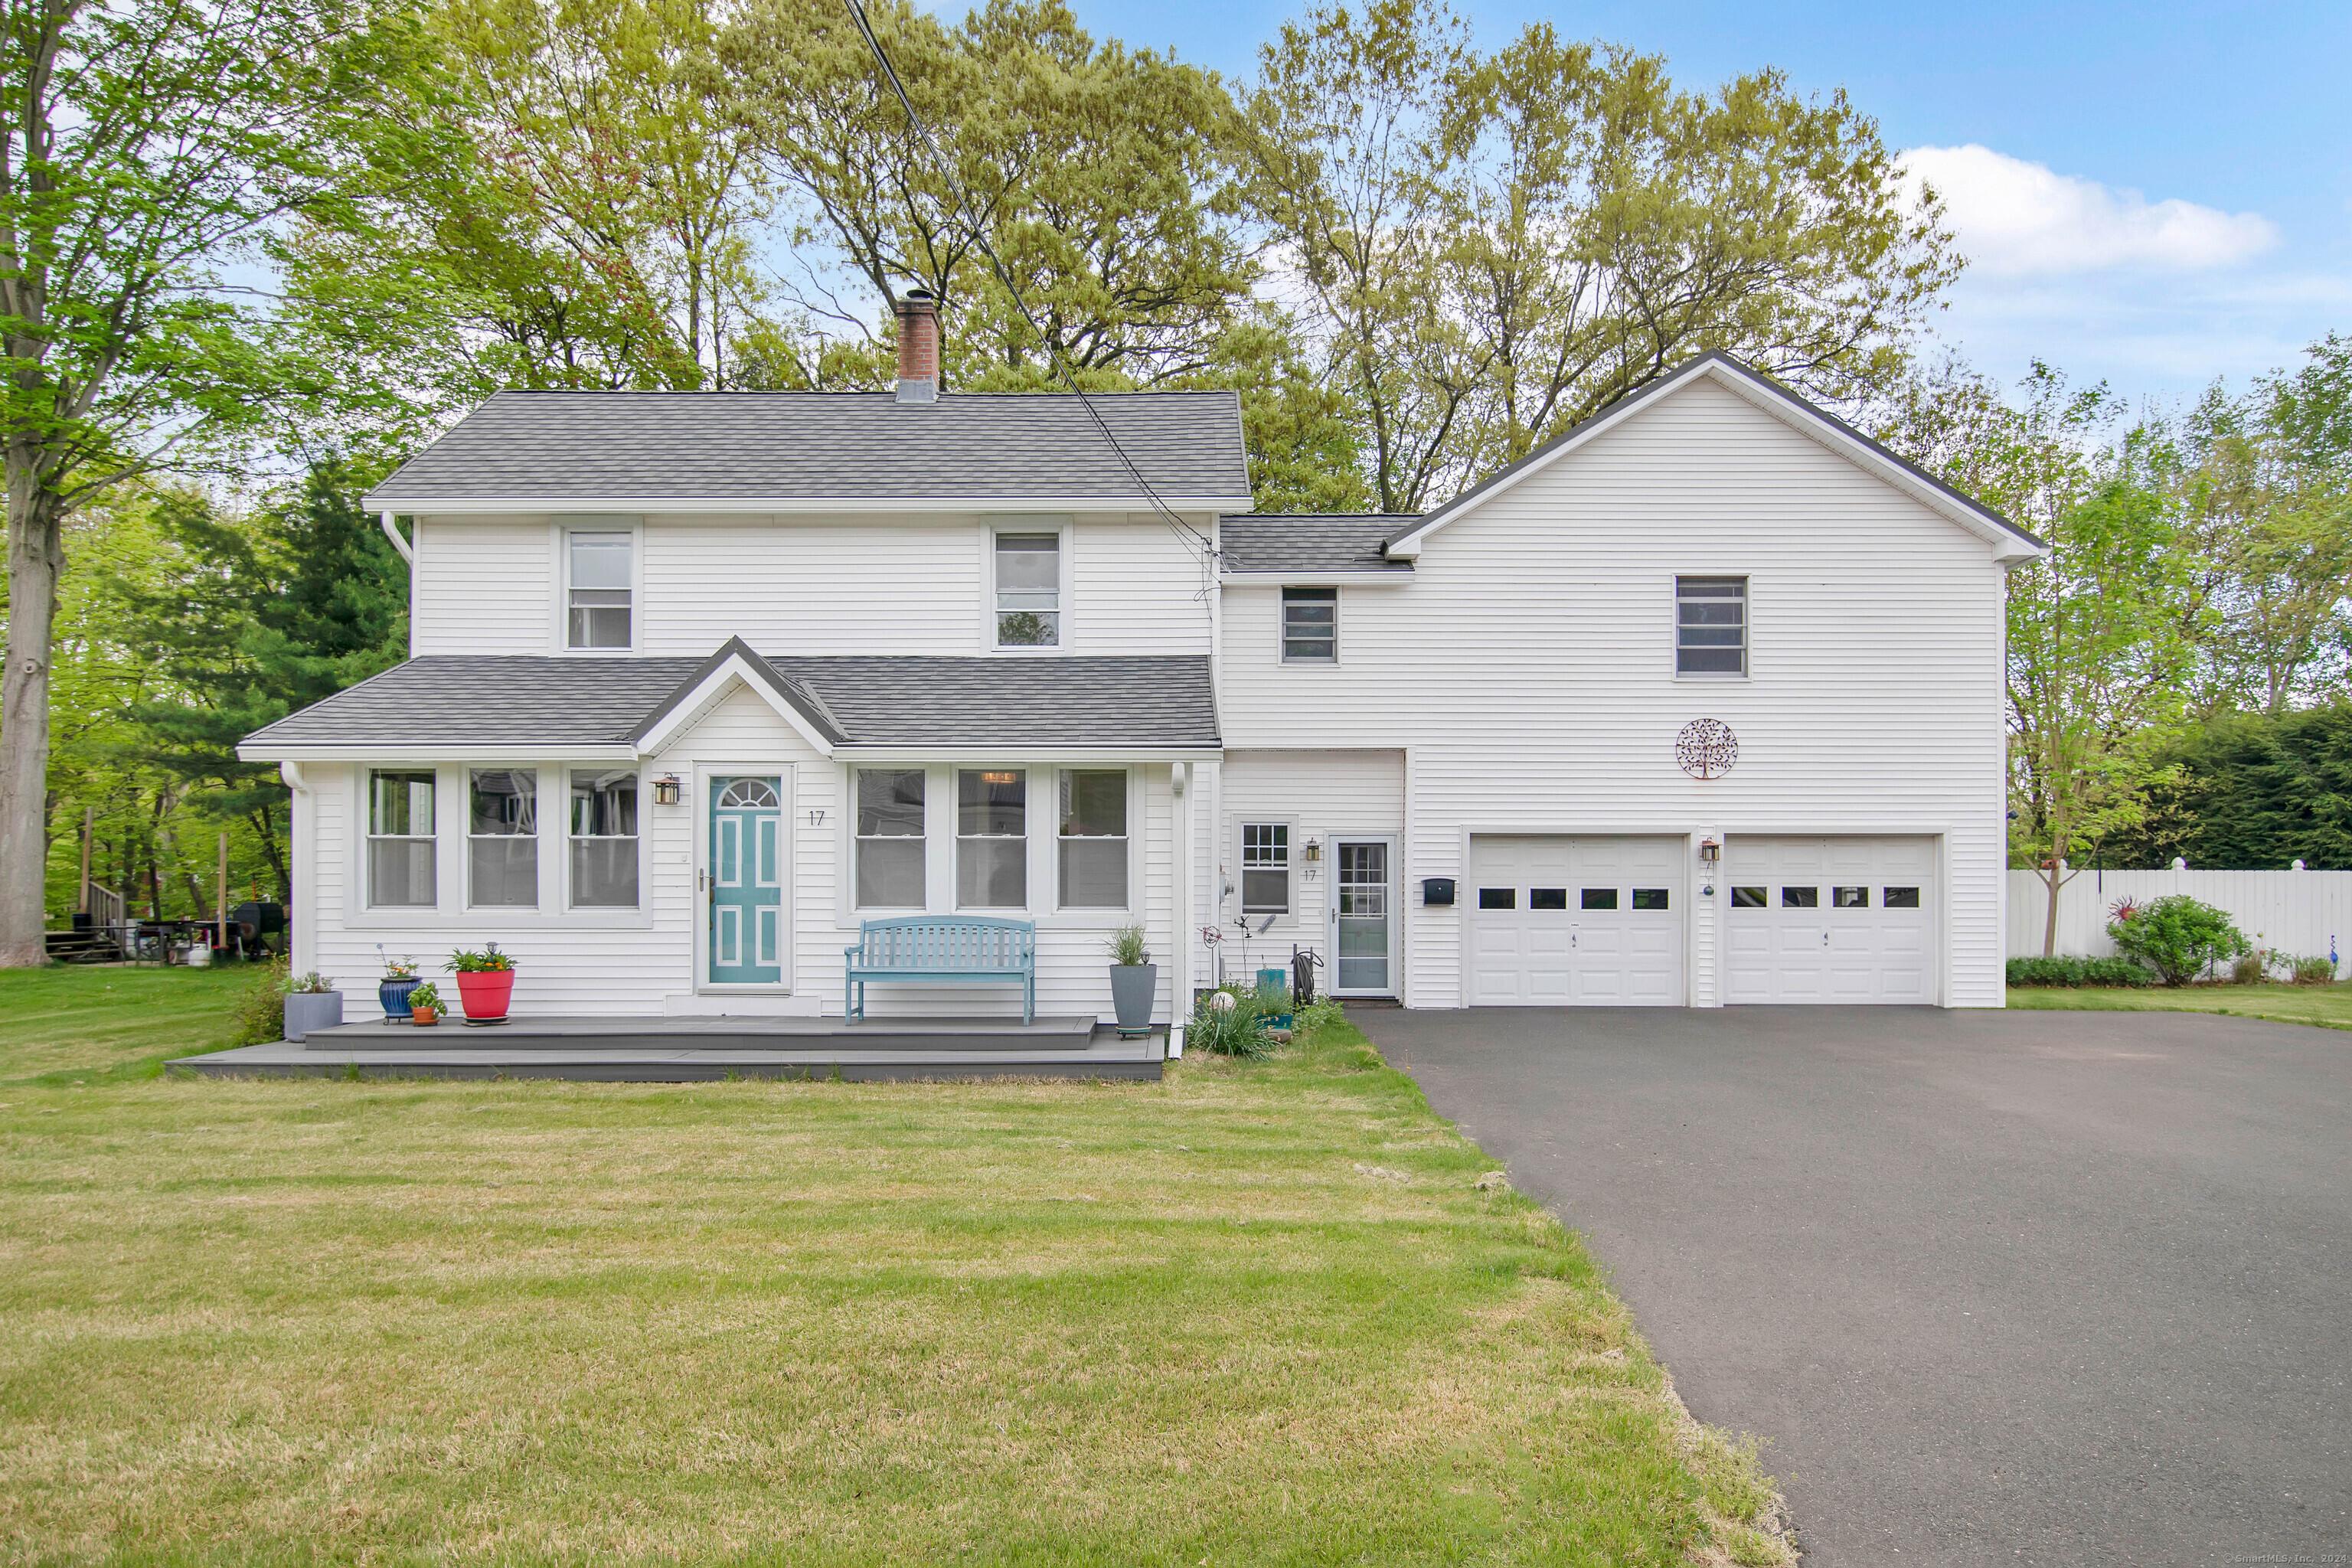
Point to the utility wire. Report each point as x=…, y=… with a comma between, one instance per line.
x=1184, y=531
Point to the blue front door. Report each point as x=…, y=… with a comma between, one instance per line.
x=746, y=882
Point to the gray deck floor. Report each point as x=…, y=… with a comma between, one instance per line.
x=667, y=1051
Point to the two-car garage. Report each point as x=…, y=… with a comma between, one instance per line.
x=1607, y=920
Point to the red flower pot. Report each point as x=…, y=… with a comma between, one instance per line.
x=486, y=992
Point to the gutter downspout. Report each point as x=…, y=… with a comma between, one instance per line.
x=398, y=543
x=301, y=927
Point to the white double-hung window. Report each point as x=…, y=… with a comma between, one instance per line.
x=991, y=838
x=1265, y=867
x=502, y=839
x=889, y=838
x=1028, y=590
x=599, y=589
x=604, y=839
x=1093, y=838
x=400, y=839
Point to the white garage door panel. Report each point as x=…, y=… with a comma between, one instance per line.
x=1567, y=955
x=1859, y=942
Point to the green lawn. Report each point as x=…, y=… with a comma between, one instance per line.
x=115, y=1021
x=2329, y=1006
x=1254, y=1313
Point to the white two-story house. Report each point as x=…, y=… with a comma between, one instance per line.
x=1700, y=704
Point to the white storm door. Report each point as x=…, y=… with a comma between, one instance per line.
x=1363, y=917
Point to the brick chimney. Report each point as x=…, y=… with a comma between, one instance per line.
x=918, y=347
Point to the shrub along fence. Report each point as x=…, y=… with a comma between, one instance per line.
x=2303, y=913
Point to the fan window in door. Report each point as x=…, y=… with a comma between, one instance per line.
x=756, y=792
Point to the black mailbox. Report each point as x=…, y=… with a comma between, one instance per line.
x=1437, y=892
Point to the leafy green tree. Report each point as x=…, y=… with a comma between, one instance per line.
x=252, y=617
x=2252, y=792
x=1492, y=249
x=145, y=147
x=2103, y=634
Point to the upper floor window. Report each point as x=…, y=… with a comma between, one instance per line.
x=1710, y=626
x=1310, y=625
x=599, y=583
x=1265, y=868
x=400, y=839
x=1028, y=590
x=889, y=838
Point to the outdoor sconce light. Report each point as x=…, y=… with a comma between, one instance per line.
x=1709, y=850
x=666, y=790
x=1314, y=850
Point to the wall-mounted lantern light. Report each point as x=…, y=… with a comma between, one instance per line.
x=1709, y=850
x=1314, y=850
x=666, y=790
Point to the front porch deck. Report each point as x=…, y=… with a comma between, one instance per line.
x=685, y=1051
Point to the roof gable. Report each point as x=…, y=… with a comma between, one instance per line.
x=2010, y=542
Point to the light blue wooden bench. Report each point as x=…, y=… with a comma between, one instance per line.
x=942, y=950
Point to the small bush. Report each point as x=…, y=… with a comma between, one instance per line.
x=2073, y=971
x=2251, y=969
x=260, y=1012
x=2179, y=937
x=1319, y=1013
x=1235, y=1030
x=2319, y=970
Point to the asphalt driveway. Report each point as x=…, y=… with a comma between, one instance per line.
x=2029, y=1288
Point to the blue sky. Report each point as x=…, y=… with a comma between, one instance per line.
x=2152, y=195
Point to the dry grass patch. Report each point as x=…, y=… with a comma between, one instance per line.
x=389, y=1322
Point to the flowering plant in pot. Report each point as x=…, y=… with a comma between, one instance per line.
x=392, y=992
x=1134, y=980
x=425, y=1005
x=485, y=981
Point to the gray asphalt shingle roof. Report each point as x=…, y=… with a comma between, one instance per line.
x=1309, y=541
x=1144, y=702
x=988, y=449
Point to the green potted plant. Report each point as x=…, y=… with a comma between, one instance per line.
x=485, y=983
x=391, y=991
x=424, y=1008
x=1134, y=980
x=311, y=1003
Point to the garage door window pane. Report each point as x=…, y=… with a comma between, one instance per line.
x=1853, y=897
x=1547, y=897
x=1900, y=897
x=1747, y=898
x=1650, y=898
x=1600, y=897
x=1801, y=898
x=1498, y=898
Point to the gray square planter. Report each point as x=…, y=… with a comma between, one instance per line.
x=309, y=1010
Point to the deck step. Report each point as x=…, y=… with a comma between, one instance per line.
x=918, y=1036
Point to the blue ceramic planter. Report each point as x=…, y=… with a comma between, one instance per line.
x=393, y=995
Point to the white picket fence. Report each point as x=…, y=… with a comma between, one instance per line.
x=2305, y=913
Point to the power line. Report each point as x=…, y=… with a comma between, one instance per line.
x=1184, y=531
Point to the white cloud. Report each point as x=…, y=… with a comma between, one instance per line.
x=2017, y=219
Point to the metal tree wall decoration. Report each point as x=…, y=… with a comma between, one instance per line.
x=1706, y=748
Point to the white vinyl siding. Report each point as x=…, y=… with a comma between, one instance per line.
x=1525, y=672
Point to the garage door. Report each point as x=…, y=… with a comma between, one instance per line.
x=1830, y=919
x=1561, y=921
